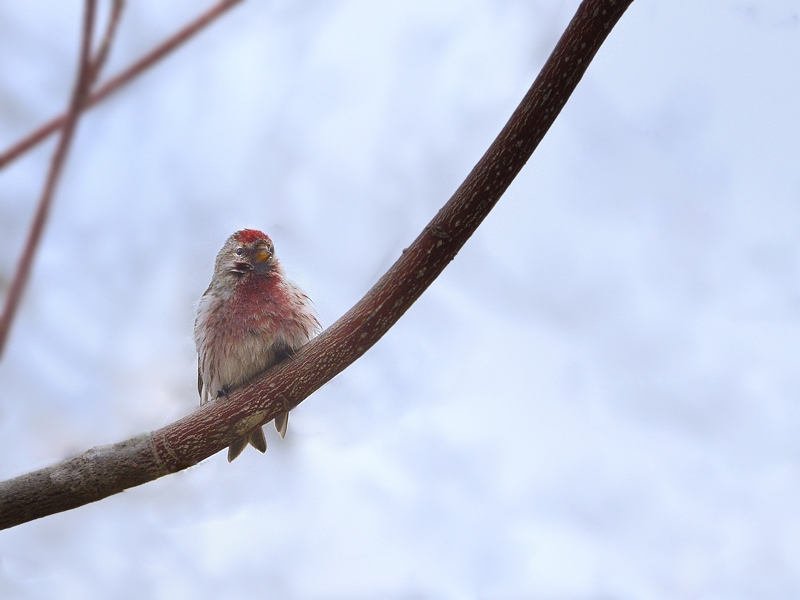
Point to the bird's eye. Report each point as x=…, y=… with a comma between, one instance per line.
x=239, y=251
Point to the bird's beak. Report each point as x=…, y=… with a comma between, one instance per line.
x=262, y=255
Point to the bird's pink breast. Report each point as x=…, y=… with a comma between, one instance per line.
x=244, y=332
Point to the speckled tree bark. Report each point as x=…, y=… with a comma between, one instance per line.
x=107, y=470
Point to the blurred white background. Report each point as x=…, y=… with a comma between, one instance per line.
x=597, y=399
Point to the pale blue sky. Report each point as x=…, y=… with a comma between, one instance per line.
x=597, y=399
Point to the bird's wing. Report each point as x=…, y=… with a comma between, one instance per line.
x=199, y=381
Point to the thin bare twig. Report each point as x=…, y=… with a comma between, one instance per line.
x=105, y=43
x=87, y=69
x=116, y=82
x=101, y=472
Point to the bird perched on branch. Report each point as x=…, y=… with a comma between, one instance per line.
x=249, y=318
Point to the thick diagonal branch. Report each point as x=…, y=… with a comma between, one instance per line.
x=101, y=472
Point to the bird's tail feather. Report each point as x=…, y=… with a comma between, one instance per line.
x=281, y=423
x=235, y=449
x=255, y=438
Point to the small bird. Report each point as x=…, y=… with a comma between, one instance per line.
x=250, y=318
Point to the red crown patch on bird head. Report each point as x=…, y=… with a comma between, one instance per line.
x=249, y=236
